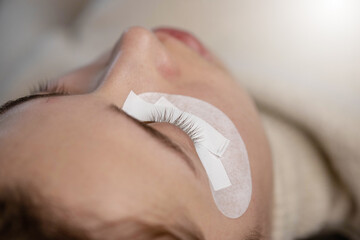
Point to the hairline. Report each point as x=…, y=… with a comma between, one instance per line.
x=49, y=210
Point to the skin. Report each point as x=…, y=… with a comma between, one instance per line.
x=91, y=160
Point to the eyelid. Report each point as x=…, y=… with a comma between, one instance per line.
x=188, y=145
x=160, y=136
x=182, y=122
x=7, y=106
x=150, y=122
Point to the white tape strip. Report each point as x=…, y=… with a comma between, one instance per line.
x=214, y=168
x=209, y=148
x=214, y=141
x=137, y=107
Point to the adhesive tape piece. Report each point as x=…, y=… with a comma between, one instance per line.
x=212, y=142
x=214, y=168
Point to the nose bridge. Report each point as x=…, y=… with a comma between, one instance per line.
x=133, y=49
x=137, y=57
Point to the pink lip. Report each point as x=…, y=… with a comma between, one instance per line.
x=186, y=38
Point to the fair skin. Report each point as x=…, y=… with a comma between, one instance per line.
x=95, y=160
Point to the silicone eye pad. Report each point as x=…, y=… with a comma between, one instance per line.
x=221, y=149
x=209, y=149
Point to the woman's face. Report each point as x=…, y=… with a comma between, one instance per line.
x=93, y=159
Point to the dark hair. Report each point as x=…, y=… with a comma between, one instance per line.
x=24, y=217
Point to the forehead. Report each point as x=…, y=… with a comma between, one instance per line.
x=73, y=147
x=72, y=120
x=46, y=125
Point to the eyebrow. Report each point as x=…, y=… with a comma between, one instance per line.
x=12, y=103
x=163, y=139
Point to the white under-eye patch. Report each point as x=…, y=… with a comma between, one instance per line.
x=210, y=147
x=220, y=147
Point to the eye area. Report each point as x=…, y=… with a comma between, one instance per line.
x=186, y=124
x=176, y=134
x=153, y=123
x=48, y=85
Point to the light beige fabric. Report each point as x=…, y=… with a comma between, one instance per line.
x=298, y=59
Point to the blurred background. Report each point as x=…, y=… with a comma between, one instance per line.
x=315, y=42
x=299, y=59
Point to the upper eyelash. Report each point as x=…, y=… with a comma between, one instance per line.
x=47, y=86
x=184, y=123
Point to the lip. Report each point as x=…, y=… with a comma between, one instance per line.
x=186, y=38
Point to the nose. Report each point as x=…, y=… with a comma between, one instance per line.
x=139, y=60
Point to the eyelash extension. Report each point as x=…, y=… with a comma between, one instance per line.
x=184, y=123
x=47, y=86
